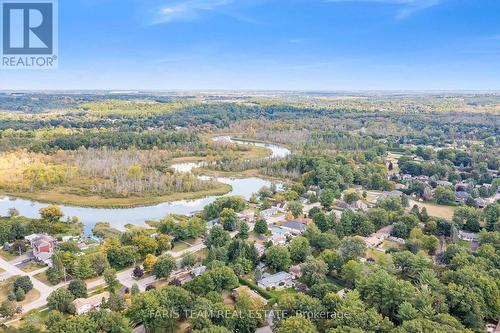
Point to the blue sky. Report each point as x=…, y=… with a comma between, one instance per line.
x=273, y=44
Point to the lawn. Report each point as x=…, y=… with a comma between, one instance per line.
x=374, y=254
x=277, y=294
x=33, y=267
x=193, y=241
x=387, y=244
x=201, y=254
x=42, y=277
x=6, y=287
x=7, y=255
x=179, y=246
x=445, y=212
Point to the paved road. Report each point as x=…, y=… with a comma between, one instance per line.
x=38, y=285
x=124, y=277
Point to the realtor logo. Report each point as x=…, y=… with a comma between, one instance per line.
x=29, y=34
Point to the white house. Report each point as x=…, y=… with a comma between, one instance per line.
x=85, y=305
x=269, y=212
x=468, y=236
x=247, y=215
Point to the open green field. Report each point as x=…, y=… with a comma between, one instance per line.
x=445, y=212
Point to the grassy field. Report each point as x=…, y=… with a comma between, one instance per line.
x=435, y=210
x=445, y=212
x=59, y=198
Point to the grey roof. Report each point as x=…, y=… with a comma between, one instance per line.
x=469, y=235
x=387, y=194
x=295, y=226
x=268, y=279
x=43, y=256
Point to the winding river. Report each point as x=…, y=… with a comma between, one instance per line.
x=119, y=217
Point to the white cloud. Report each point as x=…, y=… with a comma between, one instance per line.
x=406, y=7
x=187, y=10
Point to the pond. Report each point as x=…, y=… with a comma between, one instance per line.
x=119, y=217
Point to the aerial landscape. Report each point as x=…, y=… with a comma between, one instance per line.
x=218, y=166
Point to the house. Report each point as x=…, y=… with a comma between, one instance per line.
x=378, y=237
x=269, y=212
x=180, y=276
x=461, y=196
x=198, y=270
x=423, y=178
x=461, y=186
x=278, y=239
x=300, y=287
x=468, y=236
x=279, y=280
x=443, y=183
x=247, y=215
x=481, y=203
x=359, y=205
x=386, y=194
x=294, y=227
x=212, y=223
x=42, y=246
x=85, y=305
x=256, y=299
x=282, y=206
x=296, y=271
x=407, y=177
